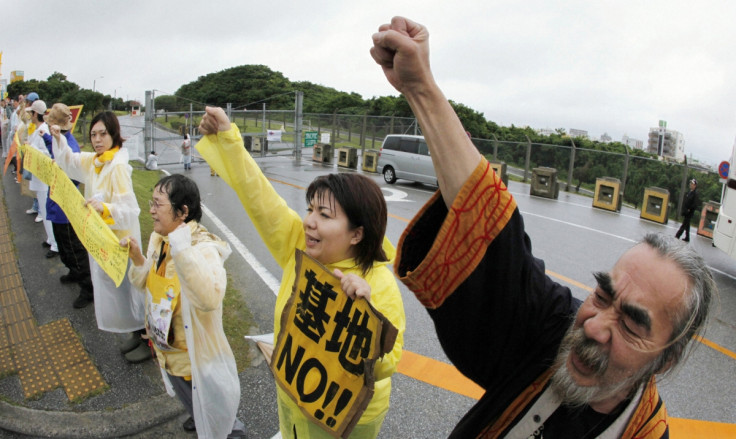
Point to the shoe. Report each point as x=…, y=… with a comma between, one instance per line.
x=188, y=425
x=139, y=354
x=236, y=434
x=50, y=254
x=38, y=219
x=82, y=302
x=68, y=278
x=131, y=343
x=45, y=245
x=686, y=239
x=31, y=211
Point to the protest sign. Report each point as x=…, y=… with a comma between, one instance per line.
x=100, y=242
x=327, y=348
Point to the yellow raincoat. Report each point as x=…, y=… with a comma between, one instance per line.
x=197, y=257
x=282, y=231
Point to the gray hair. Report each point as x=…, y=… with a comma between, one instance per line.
x=692, y=318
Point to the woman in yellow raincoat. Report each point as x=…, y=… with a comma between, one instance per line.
x=344, y=229
x=184, y=278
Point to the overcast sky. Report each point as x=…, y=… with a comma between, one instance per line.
x=603, y=66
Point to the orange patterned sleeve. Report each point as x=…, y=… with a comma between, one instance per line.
x=478, y=214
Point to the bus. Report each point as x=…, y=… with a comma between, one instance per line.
x=724, y=234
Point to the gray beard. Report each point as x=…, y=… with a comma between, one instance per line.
x=587, y=350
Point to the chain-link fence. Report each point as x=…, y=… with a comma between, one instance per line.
x=577, y=168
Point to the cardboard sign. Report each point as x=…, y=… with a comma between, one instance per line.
x=327, y=348
x=95, y=235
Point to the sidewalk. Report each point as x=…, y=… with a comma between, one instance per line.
x=61, y=376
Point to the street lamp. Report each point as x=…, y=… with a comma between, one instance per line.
x=94, y=83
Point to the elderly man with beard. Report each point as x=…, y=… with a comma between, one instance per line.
x=551, y=366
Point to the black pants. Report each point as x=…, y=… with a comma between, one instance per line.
x=74, y=256
x=685, y=227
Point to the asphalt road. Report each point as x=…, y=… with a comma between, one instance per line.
x=573, y=238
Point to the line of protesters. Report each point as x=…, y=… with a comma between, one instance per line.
x=551, y=365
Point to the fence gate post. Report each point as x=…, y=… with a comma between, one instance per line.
x=571, y=167
x=148, y=145
x=528, y=157
x=298, y=120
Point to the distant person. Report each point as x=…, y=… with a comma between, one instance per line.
x=108, y=188
x=184, y=277
x=344, y=229
x=37, y=141
x=152, y=161
x=551, y=366
x=186, y=152
x=689, y=206
x=71, y=251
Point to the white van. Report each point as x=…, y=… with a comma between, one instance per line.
x=406, y=157
x=724, y=234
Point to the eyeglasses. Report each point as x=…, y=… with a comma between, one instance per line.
x=153, y=204
x=94, y=134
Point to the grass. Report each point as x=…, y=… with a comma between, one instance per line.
x=236, y=317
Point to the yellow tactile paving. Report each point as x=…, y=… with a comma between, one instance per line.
x=16, y=312
x=12, y=281
x=30, y=353
x=60, y=331
x=22, y=331
x=11, y=296
x=81, y=380
x=67, y=355
x=7, y=365
x=37, y=379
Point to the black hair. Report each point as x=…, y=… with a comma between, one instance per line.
x=112, y=126
x=363, y=203
x=182, y=191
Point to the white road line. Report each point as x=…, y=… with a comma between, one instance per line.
x=579, y=226
x=612, y=235
x=270, y=281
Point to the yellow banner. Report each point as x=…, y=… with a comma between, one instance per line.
x=95, y=235
x=327, y=348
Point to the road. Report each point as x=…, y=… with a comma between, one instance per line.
x=573, y=238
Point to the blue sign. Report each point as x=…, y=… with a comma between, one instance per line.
x=723, y=169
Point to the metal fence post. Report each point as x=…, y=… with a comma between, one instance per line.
x=333, y=140
x=626, y=169
x=528, y=157
x=298, y=120
x=362, y=131
x=148, y=125
x=571, y=167
x=495, y=147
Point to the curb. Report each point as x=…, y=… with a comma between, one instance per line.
x=132, y=419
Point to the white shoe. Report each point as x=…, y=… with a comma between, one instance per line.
x=31, y=211
x=38, y=219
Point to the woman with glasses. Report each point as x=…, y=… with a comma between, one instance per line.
x=108, y=188
x=184, y=277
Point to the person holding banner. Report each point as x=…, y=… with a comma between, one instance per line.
x=38, y=141
x=184, y=277
x=108, y=189
x=343, y=229
x=71, y=250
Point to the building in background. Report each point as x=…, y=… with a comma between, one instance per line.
x=666, y=143
x=632, y=143
x=578, y=133
x=605, y=138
